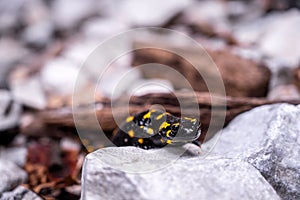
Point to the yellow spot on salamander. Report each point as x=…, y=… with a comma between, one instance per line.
x=176, y=124
x=141, y=140
x=162, y=141
x=147, y=115
x=129, y=119
x=150, y=131
x=131, y=133
x=169, y=141
x=190, y=119
x=160, y=116
x=168, y=133
x=164, y=125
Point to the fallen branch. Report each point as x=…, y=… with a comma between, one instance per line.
x=225, y=108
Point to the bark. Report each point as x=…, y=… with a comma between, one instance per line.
x=224, y=107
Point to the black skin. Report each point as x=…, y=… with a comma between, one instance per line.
x=164, y=128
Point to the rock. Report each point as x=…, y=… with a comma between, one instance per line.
x=281, y=73
x=78, y=52
x=24, y=87
x=9, y=14
x=281, y=37
x=139, y=13
x=241, y=11
x=103, y=28
x=38, y=34
x=117, y=80
x=271, y=5
x=10, y=113
x=275, y=35
x=284, y=92
x=268, y=138
x=67, y=13
x=11, y=52
x=20, y=193
x=11, y=175
x=186, y=178
x=16, y=155
x=59, y=76
x=207, y=12
x=39, y=27
x=145, y=86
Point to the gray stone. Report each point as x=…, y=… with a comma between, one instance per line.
x=11, y=52
x=139, y=13
x=59, y=76
x=24, y=89
x=103, y=28
x=280, y=39
x=11, y=175
x=210, y=12
x=38, y=34
x=16, y=155
x=10, y=113
x=9, y=11
x=20, y=193
x=268, y=137
x=146, y=86
x=67, y=13
x=275, y=35
x=39, y=27
x=183, y=178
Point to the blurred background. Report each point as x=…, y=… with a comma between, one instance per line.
x=44, y=43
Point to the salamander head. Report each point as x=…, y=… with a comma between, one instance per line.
x=188, y=131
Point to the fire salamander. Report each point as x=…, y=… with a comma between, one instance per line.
x=156, y=129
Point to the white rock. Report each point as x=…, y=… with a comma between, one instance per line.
x=67, y=13
x=9, y=13
x=10, y=52
x=59, y=76
x=10, y=112
x=281, y=39
x=268, y=138
x=24, y=90
x=39, y=33
x=79, y=51
x=35, y=11
x=17, y=155
x=20, y=193
x=11, y=175
x=145, y=86
x=275, y=35
x=39, y=27
x=141, y=13
x=118, y=79
x=211, y=12
x=103, y=28
x=185, y=178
